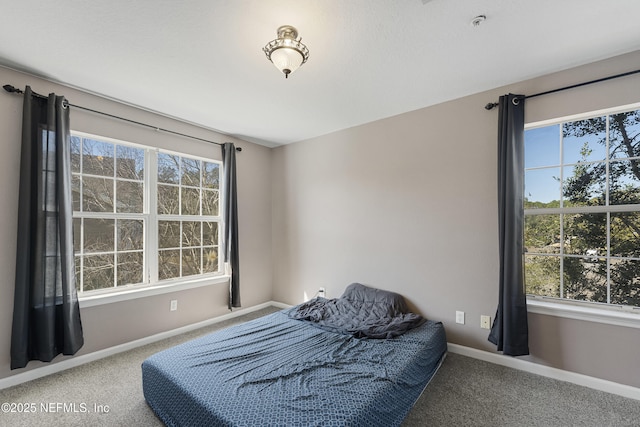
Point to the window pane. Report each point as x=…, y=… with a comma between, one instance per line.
x=168, y=264
x=168, y=200
x=75, y=154
x=191, y=262
x=584, y=185
x=585, y=234
x=77, y=244
x=585, y=280
x=97, y=158
x=191, y=234
x=625, y=234
x=625, y=282
x=542, y=188
x=191, y=172
x=542, y=275
x=169, y=234
x=585, y=140
x=190, y=201
x=130, y=234
x=542, y=146
x=210, y=260
x=98, y=272
x=130, y=196
x=623, y=135
x=210, y=233
x=210, y=202
x=130, y=266
x=49, y=187
x=168, y=168
x=624, y=182
x=75, y=192
x=98, y=235
x=48, y=150
x=211, y=175
x=542, y=234
x=129, y=162
x=97, y=194
x=78, y=262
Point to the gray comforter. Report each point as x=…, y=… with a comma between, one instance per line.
x=361, y=311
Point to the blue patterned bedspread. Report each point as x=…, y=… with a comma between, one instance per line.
x=276, y=371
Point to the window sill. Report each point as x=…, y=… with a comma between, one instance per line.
x=627, y=317
x=147, y=291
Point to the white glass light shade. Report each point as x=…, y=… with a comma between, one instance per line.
x=287, y=52
x=286, y=59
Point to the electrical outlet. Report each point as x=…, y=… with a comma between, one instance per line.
x=174, y=305
x=321, y=292
x=485, y=322
x=460, y=317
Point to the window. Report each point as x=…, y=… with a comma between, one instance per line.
x=582, y=209
x=188, y=207
x=141, y=216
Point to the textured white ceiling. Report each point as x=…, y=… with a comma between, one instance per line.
x=202, y=60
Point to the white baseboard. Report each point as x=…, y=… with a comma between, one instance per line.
x=100, y=354
x=498, y=359
x=547, y=371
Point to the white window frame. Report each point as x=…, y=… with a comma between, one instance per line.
x=151, y=285
x=611, y=314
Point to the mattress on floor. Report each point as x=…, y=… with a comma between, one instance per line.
x=277, y=371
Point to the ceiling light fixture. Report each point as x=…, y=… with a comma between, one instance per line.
x=287, y=51
x=475, y=22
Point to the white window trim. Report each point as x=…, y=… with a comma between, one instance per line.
x=140, y=291
x=582, y=116
x=611, y=315
x=608, y=314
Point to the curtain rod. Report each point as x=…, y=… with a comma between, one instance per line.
x=491, y=105
x=12, y=89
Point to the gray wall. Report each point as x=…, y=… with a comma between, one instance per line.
x=117, y=323
x=409, y=204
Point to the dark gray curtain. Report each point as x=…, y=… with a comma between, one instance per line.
x=510, y=330
x=230, y=218
x=46, y=314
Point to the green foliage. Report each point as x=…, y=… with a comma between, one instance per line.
x=542, y=275
x=541, y=232
x=625, y=287
x=585, y=280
